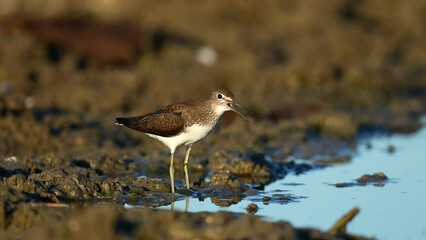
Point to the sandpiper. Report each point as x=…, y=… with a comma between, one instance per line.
x=183, y=123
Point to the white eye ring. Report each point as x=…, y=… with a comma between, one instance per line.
x=219, y=96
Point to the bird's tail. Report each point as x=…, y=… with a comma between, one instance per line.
x=122, y=121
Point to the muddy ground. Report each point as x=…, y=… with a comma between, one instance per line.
x=317, y=76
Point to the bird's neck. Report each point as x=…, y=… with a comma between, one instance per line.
x=218, y=110
x=203, y=114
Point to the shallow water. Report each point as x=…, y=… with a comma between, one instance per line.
x=393, y=211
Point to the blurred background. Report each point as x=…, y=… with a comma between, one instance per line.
x=330, y=68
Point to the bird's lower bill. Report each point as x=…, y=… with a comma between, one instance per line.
x=230, y=105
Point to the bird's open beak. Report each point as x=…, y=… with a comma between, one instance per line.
x=231, y=105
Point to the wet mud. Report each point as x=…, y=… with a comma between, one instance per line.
x=315, y=82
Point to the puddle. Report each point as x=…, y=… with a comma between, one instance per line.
x=391, y=209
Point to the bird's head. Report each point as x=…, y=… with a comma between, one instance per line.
x=223, y=101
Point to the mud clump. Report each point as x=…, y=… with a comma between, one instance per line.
x=149, y=193
x=150, y=185
x=253, y=167
x=65, y=184
x=377, y=179
x=225, y=189
x=374, y=178
x=225, y=180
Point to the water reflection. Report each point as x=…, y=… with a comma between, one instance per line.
x=172, y=205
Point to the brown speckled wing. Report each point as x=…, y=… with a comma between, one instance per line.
x=161, y=123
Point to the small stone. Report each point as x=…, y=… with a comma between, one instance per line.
x=391, y=149
x=369, y=145
x=266, y=198
x=252, y=208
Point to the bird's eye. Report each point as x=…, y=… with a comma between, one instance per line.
x=219, y=96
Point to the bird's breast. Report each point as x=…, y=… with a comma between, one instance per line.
x=196, y=132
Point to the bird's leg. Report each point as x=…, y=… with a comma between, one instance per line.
x=185, y=166
x=172, y=173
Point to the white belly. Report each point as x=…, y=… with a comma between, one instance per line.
x=191, y=135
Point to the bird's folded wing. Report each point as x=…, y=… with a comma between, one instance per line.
x=165, y=124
